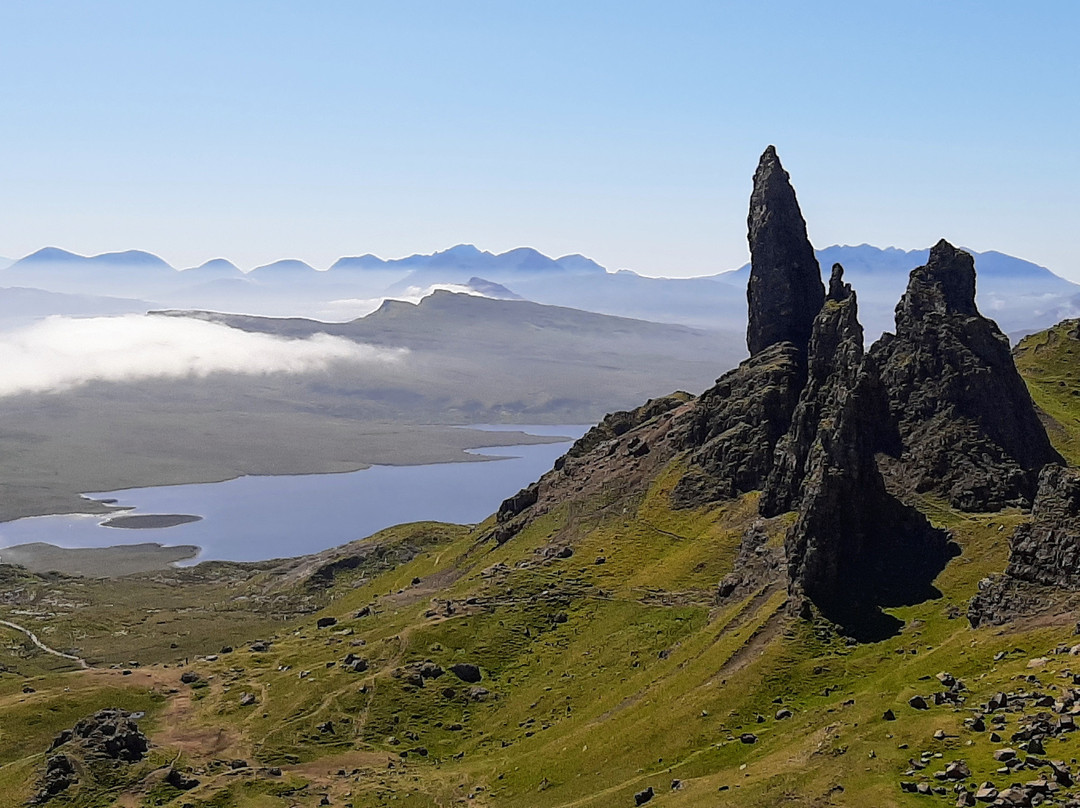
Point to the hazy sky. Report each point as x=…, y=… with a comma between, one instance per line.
x=627, y=131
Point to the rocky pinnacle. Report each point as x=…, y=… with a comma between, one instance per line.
x=785, y=292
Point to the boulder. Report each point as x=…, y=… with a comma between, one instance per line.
x=466, y=672
x=180, y=780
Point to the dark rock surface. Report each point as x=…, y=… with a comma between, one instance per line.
x=734, y=426
x=178, y=779
x=111, y=733
x=466, y=672
x=59, y=776
x=968, y=428
x=853, y=547
x=785, y=291
x=1046, y=550
x=758, y=564
x=834, y=371
x=619, y=423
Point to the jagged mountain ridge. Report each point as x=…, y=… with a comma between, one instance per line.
x=1022, y=297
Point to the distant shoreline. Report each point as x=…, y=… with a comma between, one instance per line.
x=98, y=562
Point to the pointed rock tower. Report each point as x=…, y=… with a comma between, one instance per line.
x=785, y=292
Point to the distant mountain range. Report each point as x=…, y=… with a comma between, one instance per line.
x=1023, y=297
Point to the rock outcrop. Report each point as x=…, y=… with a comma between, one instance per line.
x=1044, y=552
x=853, y=547
x=968, y=428
x=827, y=430
x=834, y=365
x=785, y=291
x=111, y=733
x=60, y=775
x=734, y=426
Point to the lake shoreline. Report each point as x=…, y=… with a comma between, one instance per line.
x=256, y=517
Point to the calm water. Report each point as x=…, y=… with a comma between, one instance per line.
x=255, y=518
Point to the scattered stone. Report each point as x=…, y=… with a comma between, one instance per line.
x=354, y=663
x=326, y=622
x=643, y=797
x=189, y=677
x=238, y=763
x=919, y=703
x=180, y=780
x=957, y=770
x=888, y=715
x=986, y=792
x=247, y=699
x=748, y=738
x=783, y=713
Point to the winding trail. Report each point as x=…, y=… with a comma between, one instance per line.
x=82, y=663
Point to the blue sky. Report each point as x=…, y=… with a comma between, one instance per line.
x=627, y=131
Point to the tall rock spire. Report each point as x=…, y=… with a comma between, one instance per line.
x=785, y=292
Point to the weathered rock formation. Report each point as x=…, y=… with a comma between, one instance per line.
x=785, y=292
x=968, y=428
x=834, y=365
x=1044, y=552
x=111, y=733
x=826, y=430
x=734, y=426
x=60, y=775
x=853, y=546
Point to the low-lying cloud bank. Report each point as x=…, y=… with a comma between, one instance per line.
x=59, y=353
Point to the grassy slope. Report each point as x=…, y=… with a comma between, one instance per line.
x=1050, y=364
x=604, y=679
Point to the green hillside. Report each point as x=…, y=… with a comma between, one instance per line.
x=604, y=672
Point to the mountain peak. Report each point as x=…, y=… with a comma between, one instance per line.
x=50, y=255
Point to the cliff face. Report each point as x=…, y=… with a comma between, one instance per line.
x=785, y=292
x=968, y=429
x=1046, y=550
x=1044, y=555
